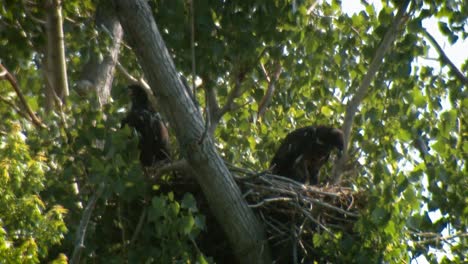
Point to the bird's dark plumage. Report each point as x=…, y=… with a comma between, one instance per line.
x=304, y=151
x=153, y=135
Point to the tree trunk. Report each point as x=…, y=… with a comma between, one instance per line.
x=55, y=65
x=244, y=231
x=98, y=75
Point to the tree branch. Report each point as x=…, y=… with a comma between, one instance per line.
x=445, y=59
x=436, y=237
x=270, y=90
x=6, y=75
x=14, y=107
x=352, y=107
x=98, y=74
x=243, y=230
x=235, y=92
x=140, y=81
x=81, y=232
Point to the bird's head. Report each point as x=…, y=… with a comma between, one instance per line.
x=332, y=137
x=138, y=95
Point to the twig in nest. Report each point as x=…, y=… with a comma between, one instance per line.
x=270, y=200
x=316, y=201
x=310, y=217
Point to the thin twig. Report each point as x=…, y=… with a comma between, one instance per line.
x=316, y=201
x=438, y=237
x=270, y=200
x=310, y=217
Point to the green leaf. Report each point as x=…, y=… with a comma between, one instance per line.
x=317, y=239
x=379, y=215
x=418, y=98
x=326, y=111
x=187, y=223
x=189, y=202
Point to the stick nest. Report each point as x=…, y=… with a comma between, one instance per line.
x=293, y=212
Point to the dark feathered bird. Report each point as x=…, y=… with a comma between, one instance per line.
x=152, y=133
x=304, y=151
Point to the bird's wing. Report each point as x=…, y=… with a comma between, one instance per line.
x=292, y=147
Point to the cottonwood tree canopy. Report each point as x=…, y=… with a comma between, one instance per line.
x=73, y=190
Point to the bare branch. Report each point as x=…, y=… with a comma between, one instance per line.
x=140, y=81
x=267, y=76
x=81, y=232
x=444, y=58
x=5, y=74
x=233, y=94
x=270, y=90
x=270, y=200
x=435, y=237
x=139, y=226
x=130, y=77
x=352, y=107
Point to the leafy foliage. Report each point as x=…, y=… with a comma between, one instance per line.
x=416, y=200
x=29, y=225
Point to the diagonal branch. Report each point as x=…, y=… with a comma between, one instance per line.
x=352, y=107
x=81, y=232
x=270, y=90
x=5, y=74
x=217, y=113
x=14, y=107
x=233, y=94
x=444, y=58
x=245, y=233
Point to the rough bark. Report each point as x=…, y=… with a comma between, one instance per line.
x=242, y=228
x=98, y=74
